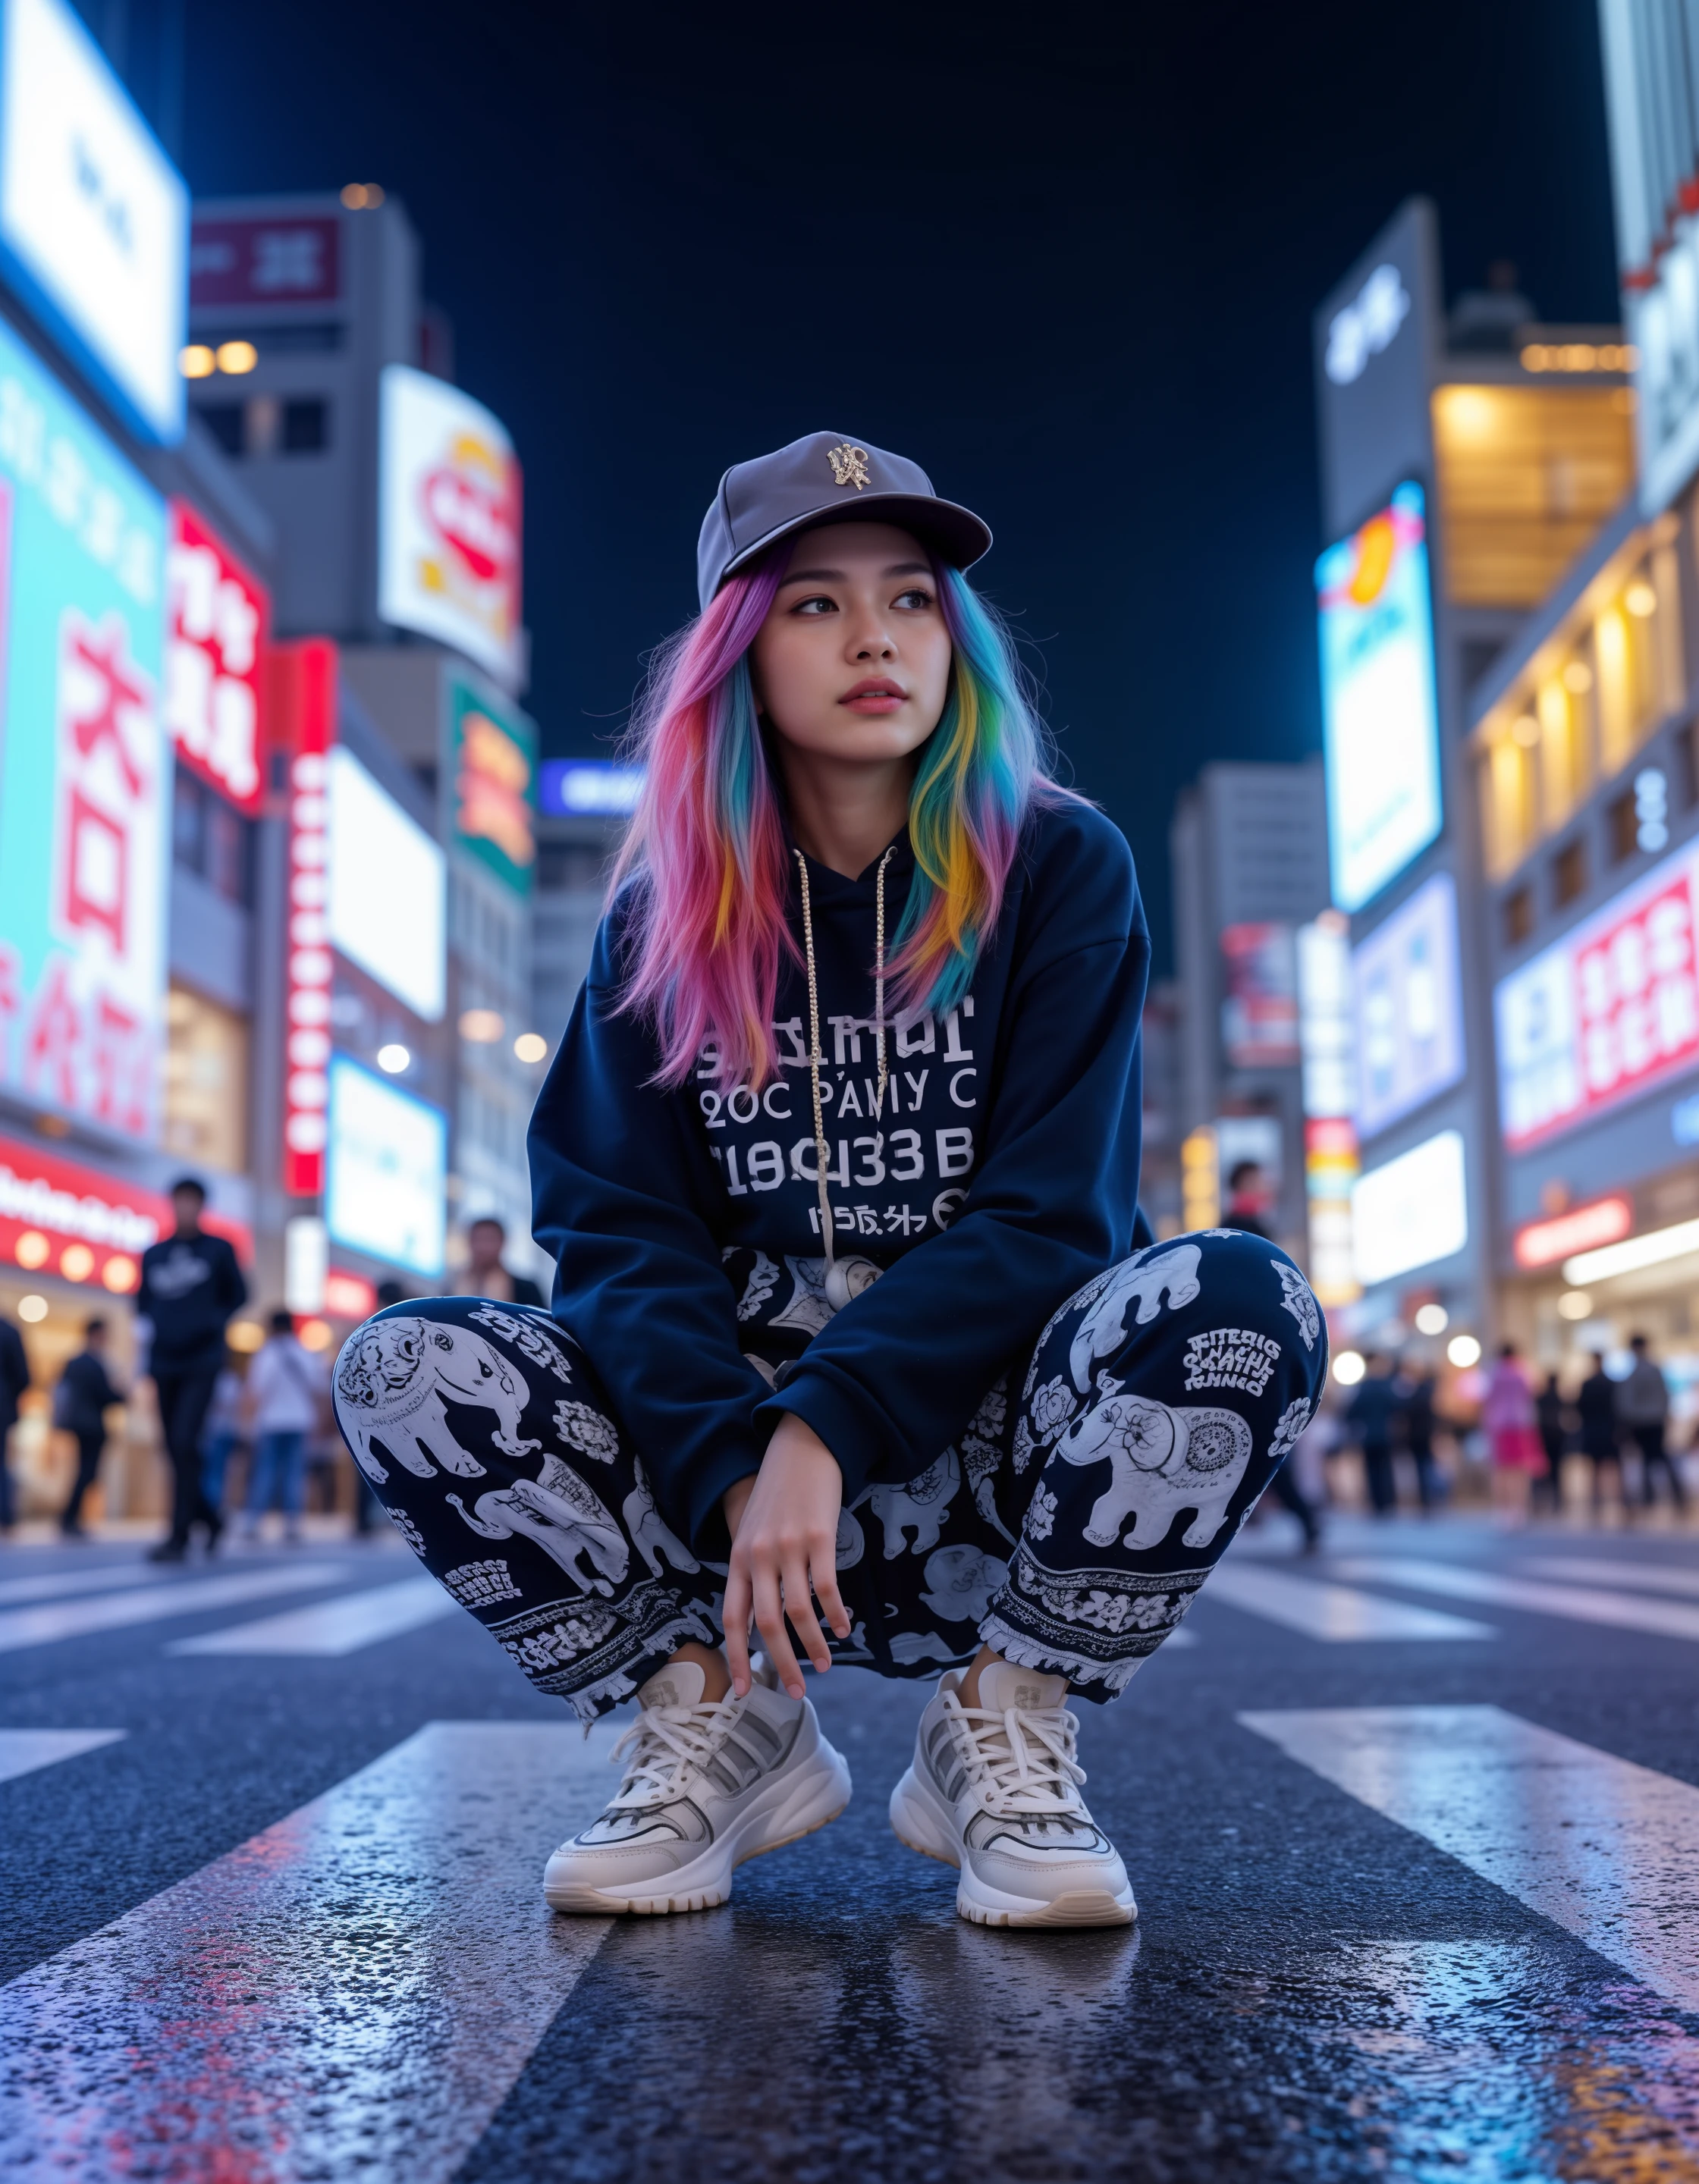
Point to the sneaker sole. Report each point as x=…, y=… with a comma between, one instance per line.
x=918, y=1822
x=708, y=1882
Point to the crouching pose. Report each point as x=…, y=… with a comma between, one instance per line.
x=857, y=1340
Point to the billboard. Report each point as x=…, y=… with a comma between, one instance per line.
x=264, y=258
x=215, y=623
x=1380, y=713
x=1411, y=1211
x=94, y=219
x=1259, y=1016
x=589, y=788
x=1609, y=1011
x=301, y=693
x=448, y=521
x=84, y=770
x=388, y=911
x=60, y=1217
x=1652, y=77
x=1407, y=996
x=388, y=1168
x=492, y=773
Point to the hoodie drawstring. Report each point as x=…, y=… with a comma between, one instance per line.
x=815, y=1057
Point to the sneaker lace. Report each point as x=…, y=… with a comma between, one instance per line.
x=669, y=1747
x=1021, y=1760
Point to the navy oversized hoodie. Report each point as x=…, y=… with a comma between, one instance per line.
x=1002, y=1175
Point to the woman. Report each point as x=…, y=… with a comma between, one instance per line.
x=839, y=1163
x=1508, y=1417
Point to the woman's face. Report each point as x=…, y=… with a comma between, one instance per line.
x=853, y=659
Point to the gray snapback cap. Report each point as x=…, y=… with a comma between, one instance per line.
x=827, y=478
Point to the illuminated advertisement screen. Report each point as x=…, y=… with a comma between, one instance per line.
x=85, y=769
x=1610, y=1010
x=94, y=219
x=589, y=788
x=1408, y=1003
x=1410, y=1211
x=216, y=621
x=386, y=1171
x=1380, y=717
x=493, y=776
x=448, y=520
x=388, y=883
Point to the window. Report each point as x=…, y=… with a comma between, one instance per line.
x=224, y=421
x=210, y=838
x=1625, y=825
x=205, y=1118
x=1518, y=917
x=1569, y=872
x=306, y=425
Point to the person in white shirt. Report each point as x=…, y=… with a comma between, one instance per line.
x=286, y=1389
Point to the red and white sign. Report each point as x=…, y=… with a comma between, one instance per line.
x=302, y=682
x=215, y=632
x=448, y=521
x=270, y=260
x=57, y=1218
x=1609, y=1011
x=350, y=1297
x=1583, y=1228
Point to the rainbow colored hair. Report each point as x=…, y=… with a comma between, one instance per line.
x=706, y=850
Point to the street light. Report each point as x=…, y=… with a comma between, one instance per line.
x=1432, y=1319
x=392, y=1059
x=1463, y=1350
x=1349, y=1367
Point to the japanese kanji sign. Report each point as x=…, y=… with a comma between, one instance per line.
x=216, y=624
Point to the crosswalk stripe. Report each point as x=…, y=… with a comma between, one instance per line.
x=343, y=1625
x=354, y=1990
x=98, y=1577
x=22, y=1751
x=1639, y=1577
x=1338, y=1614
x=80, y=1618
x=1670, y=1618
x=1607, y=1849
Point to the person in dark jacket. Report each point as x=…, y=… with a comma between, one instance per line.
x=1250, y=1199
x=486, y=1276
x=1552, y=1419
x=1596, y=1406
x=81, y=1401
x=1643, y=1410
x=1421, y=1421
x=839, y=1163
x=1371, y=1414
x=190, y=1287
x=14, y=1379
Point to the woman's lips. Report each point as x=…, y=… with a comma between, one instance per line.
x=874, y=696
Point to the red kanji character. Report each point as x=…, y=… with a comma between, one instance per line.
x=120, y=1085
x=101, y=655
x=50, y=1050
x=96, y=870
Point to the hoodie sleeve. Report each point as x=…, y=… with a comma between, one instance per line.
x=619, y=1191
x=894, y=1377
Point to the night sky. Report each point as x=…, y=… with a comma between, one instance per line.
x=1064, y=257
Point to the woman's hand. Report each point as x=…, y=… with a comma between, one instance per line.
x=783, y=1524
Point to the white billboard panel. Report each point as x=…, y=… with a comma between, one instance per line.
x=389, y=883
x=94, y=219
x=386, y=1173
x=1408, y=997
x=1411, y=1212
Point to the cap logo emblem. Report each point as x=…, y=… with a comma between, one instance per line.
x=848, y=465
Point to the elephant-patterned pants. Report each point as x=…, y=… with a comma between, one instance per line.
x=1069, y=1527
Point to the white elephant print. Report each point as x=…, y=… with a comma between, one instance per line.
x=648, y=1530
x=565, y=1519
x=527, y=1335
x=1297, y=1298
x=1145, y=1276
x=1164, y=1460
x=918, y=1505
x=960, y=1583
x=392, y=1380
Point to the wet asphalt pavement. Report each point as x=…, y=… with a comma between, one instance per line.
x=274, y=1932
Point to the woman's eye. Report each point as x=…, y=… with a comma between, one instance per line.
x=820, y=606
x=916, y=597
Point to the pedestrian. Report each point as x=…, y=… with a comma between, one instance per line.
x=1643, y=1408
x=1552, y=1420
x=14, y=1379
x=838, y=1161
x=285, y=1388
x=81, y=1401
x=191, y=1286
x=1249, y=1199
x=486, y=1275
x=221, y=1433
x=1371, y=1414
x=1507, y=1415
x=1422, y=1420
x=1595, y=1405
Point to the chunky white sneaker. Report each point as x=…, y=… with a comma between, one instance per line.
x=994, y=1791
x=705, y=1787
